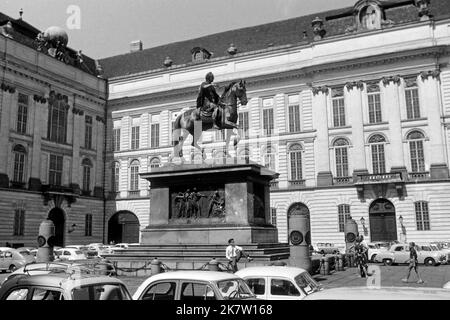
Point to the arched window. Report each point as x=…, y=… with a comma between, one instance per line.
x=422, y=215
x=295, y=162
x=343, y=215
x=155, y=163
x=134, y=175
x=269, y=158
x=20, y=154
x=115, y=176
x=341, y=155
x=377, y=142
x=416, y=151
x=87, y=166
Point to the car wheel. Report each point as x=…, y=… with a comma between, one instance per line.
x=430, y=262
x=388, y=262
x=373, y=257
x=322, y=252
x=12, y=268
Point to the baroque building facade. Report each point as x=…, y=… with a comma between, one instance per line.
x=350, y=106
x=52, y=111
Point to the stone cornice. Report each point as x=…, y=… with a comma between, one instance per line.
x=305, y=73
x=53, y=78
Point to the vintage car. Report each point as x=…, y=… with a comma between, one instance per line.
x=399, y=253
x=11, y=259
x=192, y=286
x=63, y=286
x=279, y=282
x=375, y=248
x=326, y=248
x=374, y=293
x=99, y=267
x=444, y=246
x=69, y=254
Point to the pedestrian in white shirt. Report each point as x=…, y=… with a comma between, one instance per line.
x=234, y=253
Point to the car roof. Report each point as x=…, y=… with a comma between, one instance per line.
x=194, y=275
x=59, y=280
x=282, y=271
x=383, y=293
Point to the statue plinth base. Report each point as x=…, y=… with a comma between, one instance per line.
x=177, y=218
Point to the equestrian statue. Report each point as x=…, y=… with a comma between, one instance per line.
x=212, y=112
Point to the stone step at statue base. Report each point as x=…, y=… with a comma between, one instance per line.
x=135, y=261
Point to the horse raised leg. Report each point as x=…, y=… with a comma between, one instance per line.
x=195, y=144
x=179, y=140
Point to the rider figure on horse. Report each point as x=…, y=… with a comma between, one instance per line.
x=208, y=102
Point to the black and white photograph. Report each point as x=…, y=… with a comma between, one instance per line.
x=238, y=150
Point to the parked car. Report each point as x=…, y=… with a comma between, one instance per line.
x=100, y=267
x=63, y=286
x=27, y=251
x=120, y=246
x=326, y=248
x=399, y=253
x=388, y=293
x=279, y=282
x=447, y=286
x=193, y=285
x=11, y=259
x=375, y=248
x=444, y=246
x=69, y=254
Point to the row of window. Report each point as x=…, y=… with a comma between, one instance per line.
x=19, y=223
x=421, y=211
x=57, y=121
x=136, y=138
x=55, y=168
x=377, y=147
x=295, y=163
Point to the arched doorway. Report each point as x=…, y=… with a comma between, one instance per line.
x=56, y=215
x=298, y=208
x=123, y=226
x=383, y=225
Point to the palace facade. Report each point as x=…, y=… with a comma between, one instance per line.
x=351, y=107
x=52, y=110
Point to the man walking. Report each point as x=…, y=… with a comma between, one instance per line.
x=413, y=263
x=234, y=253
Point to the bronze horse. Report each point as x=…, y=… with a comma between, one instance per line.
x=185, y=123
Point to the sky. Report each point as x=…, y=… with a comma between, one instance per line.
x=104, y=28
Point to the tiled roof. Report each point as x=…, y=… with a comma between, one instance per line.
x=287, y=32
x=26, y=34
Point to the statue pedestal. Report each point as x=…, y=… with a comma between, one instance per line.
x=209, y=204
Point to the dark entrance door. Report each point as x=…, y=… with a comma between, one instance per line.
x=383, y=225
x=57, y=216
x=123, y=227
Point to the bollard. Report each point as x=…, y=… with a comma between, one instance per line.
x=213, y=265
x=155, y=266
x=45, y=241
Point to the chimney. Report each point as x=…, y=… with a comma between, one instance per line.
x=136, y=46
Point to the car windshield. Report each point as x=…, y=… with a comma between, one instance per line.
x=425, y=248
x=434, y=247
x=78, y=252
x=306, y=283
x=234, y=289
x=24, y=253
x=101, y=291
